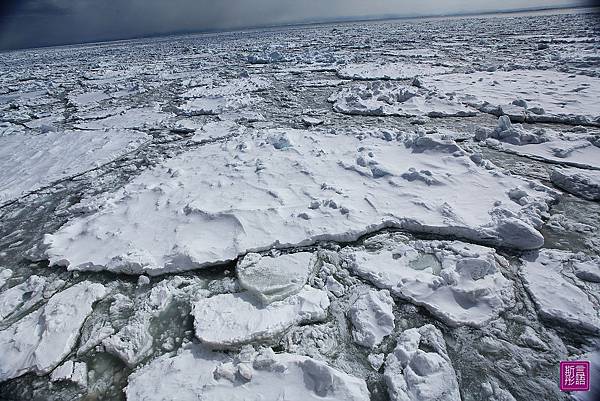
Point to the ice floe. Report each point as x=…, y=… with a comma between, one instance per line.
x=232, y=320
x=392, y=71
x=556, y=295
x=198, y=374
x=274, y=278
x=372, y=317
x=39, y=342
x=384, y=98
x=525, y=95
x=582, y=183
x=219, y=97
x=75, y=372
x=419, y=369
x=30, y=162
x=294, y=187
x=459, y=283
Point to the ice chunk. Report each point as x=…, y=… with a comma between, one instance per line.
x=459, y=283
x=558, y=300
x=197, y=374
x=413, y=374
x=39, y=342
x=372, y=318
x=232, y=320
x=274, y=278
x=5, y=275
x=582, y=183
x=379, y=98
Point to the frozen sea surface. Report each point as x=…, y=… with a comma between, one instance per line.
x=394, y=210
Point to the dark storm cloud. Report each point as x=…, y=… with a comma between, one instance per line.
x=28, y=23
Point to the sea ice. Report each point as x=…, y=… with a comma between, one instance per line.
x=197, y=374
x=557, y=298
x=582, y=183
x=39, y=342
x=75, y=372
x=294, y=187
x=419, y=369
x=30, y=162
x=274, y=278
x=393, y=71
x=383, y=98
x=232, y=320
x=372, y=318
x=525, y=95
x=457, y=282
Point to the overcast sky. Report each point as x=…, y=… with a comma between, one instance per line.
x=31, y=23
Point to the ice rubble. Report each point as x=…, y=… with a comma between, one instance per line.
x=557, y=296
x=133, y=342
x=459, y=283
x=232, y=320
x=392, y=71
x=195, y=374
x=39, y=342
x=282, y=188
x=274, y=279
x=384, y=98
x=372, y=318
x=217, y=97
x=574, y=149
x=583, y=183
x=419, y=369
x=30, y=162
x=525, y=95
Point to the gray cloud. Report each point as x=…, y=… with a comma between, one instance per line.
x=29, y=23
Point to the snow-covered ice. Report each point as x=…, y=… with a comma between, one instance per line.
x=384, y=98
x=393, y=71
x=372, y=317
x=277, y=189
x=557, y=298
x=39, y=342
x=30, y=162
x=198, y=374
x=232, y=320
x=459, y=283
x=274, y=278
x=419, y=369
x=583, y=183
x=525, y=95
